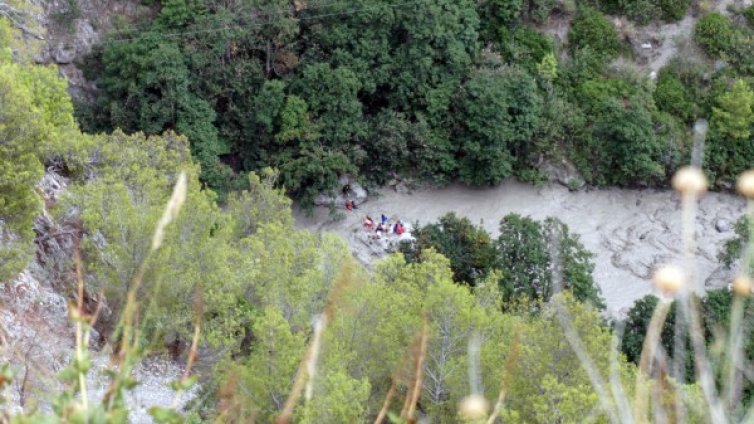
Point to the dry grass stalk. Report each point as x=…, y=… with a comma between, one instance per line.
x=130, y=335
x=386, y=404
x=193, y=351
x=648, y=354
x=82, y=334
x=409, y=353
x=417, y=389
x=587, y=364
x=510, y=362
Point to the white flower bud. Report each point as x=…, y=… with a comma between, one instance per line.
x=689, y=180
x=669, y=279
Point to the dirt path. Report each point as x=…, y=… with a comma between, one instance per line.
x=629, y=231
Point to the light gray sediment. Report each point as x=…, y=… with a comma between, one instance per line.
x=629, y=231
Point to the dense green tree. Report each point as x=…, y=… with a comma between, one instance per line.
x=525, y=46
x=469, y=248
x=332, y=97
x=37, y=128
x=626, y=146
x=735, y=246
x=728, y=148
x=147, y=87
x=538, y=260
x=673, y=97
x=715, y=311
x=392, y=139
x=733, y=115
x=674, y=10
x=497, y=112
x=715, y=34
x=590, y=29
x=623, y=146
x=269, y=370
x=497, y=14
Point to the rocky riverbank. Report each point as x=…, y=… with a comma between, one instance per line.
x=629, y=231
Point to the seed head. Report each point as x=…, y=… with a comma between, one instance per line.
x=473, y=408
x=669, y=279
x=689, y=180
x=745, y=184
x=742, y=285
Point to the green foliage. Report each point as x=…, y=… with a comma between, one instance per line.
x=332, y=96
x=672, y=96
x=748, y=13
x=734, y=248
x=497, y=14
x=541, y=259
x=547, y=68
x=733, y=115
x=590, y=29
x=728, y=149
x=270, y=367
x=37, y=123
x=178, y=13
x=392, y=137
x=539, y=11
x=469, y=248
x=674, y=10
x=497, y=112
x=715, y=34
x=295, y=123
x=715, y=309
x=645, y=11
x=147, y=87
x=641, y=11
x=525, y=46
x=623, y=146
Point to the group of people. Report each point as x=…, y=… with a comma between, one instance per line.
x=377, y=229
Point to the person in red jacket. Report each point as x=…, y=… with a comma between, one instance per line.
x=368, y=222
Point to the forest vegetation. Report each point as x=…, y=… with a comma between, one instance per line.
x=227, y=110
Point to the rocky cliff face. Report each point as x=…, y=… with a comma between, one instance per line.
x=37, y=337
x=74, y=28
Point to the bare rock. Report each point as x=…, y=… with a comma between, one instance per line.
x=563, y=172
x=85, y=37
x=722, y=225
x=63, y=53
x=720, y=277
x=355, y=192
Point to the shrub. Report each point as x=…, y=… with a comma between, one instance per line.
x=525, y=46
x=642, y=11
x=715, y=34
x=495, y=14
x=674, y=10
x=469, y=248
x=749, y=14
x=525, y=249
x=671, y=96
x=497, y=112
x=590, y=29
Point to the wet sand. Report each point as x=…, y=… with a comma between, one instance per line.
x=629, y=231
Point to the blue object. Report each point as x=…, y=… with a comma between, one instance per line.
x=384, y=218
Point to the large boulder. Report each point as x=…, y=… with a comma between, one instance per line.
x=355, y=193
x=563, y=172
x=64, y=53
